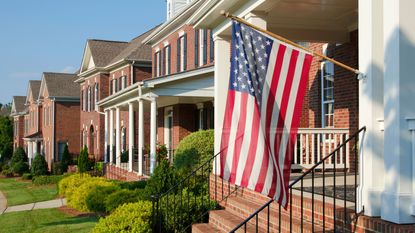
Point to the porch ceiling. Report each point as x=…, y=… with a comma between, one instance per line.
x=299, y=20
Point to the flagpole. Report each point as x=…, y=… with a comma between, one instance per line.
x=356, y=71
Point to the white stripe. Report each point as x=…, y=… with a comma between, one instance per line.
x=259, y=154
x=268, y=178
x=232, y=135
x=247, y=138
x=290, y=112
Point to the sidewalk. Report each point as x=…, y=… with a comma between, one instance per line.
x=3, y=203
x=33, y=206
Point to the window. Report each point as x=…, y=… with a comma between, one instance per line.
x=196, y=54
x=202, y=46
x=212, y=47
x=89, y=99
x=85, y=100
x=82, y=99
x=96, y=95
x=124, y=139
x=166, y=60
x=181, y=53
x=123, y=82
x=327, y=94
x=157, y=58
x=114, y=86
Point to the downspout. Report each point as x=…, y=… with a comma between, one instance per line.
x=53, y=129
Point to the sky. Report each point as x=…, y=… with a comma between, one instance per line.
x=49, y=35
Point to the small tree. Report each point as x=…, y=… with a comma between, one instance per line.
x=83, y=161
x=39, y=166
x=66, y=159
x=19, y=155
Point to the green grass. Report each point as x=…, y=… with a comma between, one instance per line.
x=44, y=221
x=23, y=192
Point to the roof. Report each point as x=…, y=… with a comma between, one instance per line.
x=18, y=102
x=36, y=135
x=61, y=84
x=103, y=51
x=34, y=86
x=136, y=50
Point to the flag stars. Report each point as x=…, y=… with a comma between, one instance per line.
x=268, y=42
x=235, y=84
x=263, y=67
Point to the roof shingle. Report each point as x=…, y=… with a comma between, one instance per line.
x=61, y=84
x=19, y=102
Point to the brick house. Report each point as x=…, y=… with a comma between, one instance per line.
x=109, y=72
x=17, y=112
x=32, y=135
x=59, y=98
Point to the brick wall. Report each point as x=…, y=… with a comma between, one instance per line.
x=18, y=138
x=172, y=40
x=66, y=119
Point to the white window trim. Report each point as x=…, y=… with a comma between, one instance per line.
x=158, y=60
x=166, y=60
x=182, y=53
x=201, y=46
x=324, y=102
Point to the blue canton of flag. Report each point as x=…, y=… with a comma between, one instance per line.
x=250, y=57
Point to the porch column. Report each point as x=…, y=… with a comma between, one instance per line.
x=399, y=47
x=140, y=136
x=130, y=136
x=153, y=134
x=371, y=106
x=117, y=138
x=111, y=136
x=411, y=127
x=30, y=152
x=106, y=137
x=222, y=68
x=34, y=144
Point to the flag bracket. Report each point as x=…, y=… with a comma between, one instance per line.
x=360, y=75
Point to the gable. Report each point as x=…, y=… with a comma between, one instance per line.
x=87, y=60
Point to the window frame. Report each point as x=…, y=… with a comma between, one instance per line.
x=326, y=102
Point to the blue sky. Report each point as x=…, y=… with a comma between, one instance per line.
x=50, y=35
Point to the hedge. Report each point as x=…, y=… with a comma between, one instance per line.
x=123, y=196
x=44, y=180
x=132, y=217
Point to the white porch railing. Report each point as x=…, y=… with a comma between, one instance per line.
x=313, y=144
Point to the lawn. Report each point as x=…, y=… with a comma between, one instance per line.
x=22, y=192
x=45, y=220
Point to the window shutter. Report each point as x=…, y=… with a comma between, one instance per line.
x=196, y=48
x=185, y=51
x=204, y=46
x=212, y=47
x=163, y=61
x=82, y=99
x=169, y=59
x=155, y=65
x=178, y=56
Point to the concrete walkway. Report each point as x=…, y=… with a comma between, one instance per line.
x=3, y=203
x=37, y=205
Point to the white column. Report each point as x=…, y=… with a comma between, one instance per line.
x=117, y=137
x=222, y=69
x=371, y=106
x=34, y=144
x=399, y=89
x=106, y=137
x=130, y=135
x=30, y=152
x=111, y=136
x=411, y=127
x=153, y=134
x=140, y=136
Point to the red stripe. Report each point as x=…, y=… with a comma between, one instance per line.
x=282, y=116
x=270, y=103
x=296, y=121
x=250, y=159
x=227, y=124
x=239, y=136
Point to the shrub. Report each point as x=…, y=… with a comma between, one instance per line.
x=161, y=152
x=95, y=201
x=39, y=166
x=66, y=159
x=133, y=185
x=77, y=199
x=57, y=169
x=123, y=196
x=83, y=161
x=26, y=176
x=161, y=180
x=20, y=167
x=133, y=217
x=7, y=172
x=193, y=150
x=43, y=180
x=68, y=184
x=19, y=155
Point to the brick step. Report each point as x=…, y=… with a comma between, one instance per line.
x=243, y=208
x=205, y=227
x=224, y=221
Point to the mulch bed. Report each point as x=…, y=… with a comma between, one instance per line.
x=76, y=213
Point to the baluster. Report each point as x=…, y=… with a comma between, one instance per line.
x=301, y=150
x=347, y=153
x=295, y=151
x=307, y=150
x=312, y=149
x=341, y=149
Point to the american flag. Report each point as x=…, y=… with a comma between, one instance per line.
x=266, y=90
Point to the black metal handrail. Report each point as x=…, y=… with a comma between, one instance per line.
x=300, y=180
x=179, y=193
